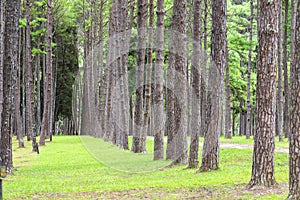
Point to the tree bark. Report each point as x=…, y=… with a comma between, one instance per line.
x=294, y=141
x=228, y=133
x=17, y=97
x=210, y=153
x=264, y=144
x=158, y=90
x=195, y=123
x=279, y=81
x=29, y=79
x=2, y=27
x=285, y=72
x=11, y=43
x=148, y=77
x=177, y=50
x=249, y=68
x=141, y=52
x=45, y=130
x=204, y=73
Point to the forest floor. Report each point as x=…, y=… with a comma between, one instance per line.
x=73, y=167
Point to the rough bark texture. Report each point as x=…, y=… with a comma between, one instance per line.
x=292, y=44
x=279, y=91
x=158, y=90
x=195, y=123
x=10, y=63
x=148, y=77
x=47, y=94
x=178, y=51
x=126, y=28
x=1, y=55
x=203, y=73
x=249, y=68
x=285, y=73
x=210, y=154
x=142, y=16
x=17, y=98
x=264, y=144
x=228, y=133
x=29, y=79
x=294, y=148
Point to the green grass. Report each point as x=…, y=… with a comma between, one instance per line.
x=243, y=140
x=74, y=167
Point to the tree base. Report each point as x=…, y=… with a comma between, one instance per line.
x=261, y=183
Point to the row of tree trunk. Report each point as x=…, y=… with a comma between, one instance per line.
x=112, y=116
x=17, y=80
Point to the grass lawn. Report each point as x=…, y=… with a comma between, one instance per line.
x=73, y=167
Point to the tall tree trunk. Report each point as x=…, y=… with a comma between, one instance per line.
x=194, y=146
x=28, y=137
x=285, y=72
x=279, y=92
x=203, y=73
x=292, y=52
x=264, y=144
x=11, y=43
x=158, y=90
x=228, y=133
x=294, y=135
x=17, y=96
x=45, y=130
x=148, y=81
x=126, y=29
x=242, y=129
x=141, y=52
x=178, y=51
x=210, y=153
x=2, y=18
x=249, y=68
x=29, y=79
x=38, y=91
x=293, y=30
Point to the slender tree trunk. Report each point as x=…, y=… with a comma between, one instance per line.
x=47, y=93
x=28, y=137
x=210, y=154
x=2, y=18
x=203, y=73
x=17, y=97
x=292, y=52
x=194, y=146
x=11, y=43
x=294, y=135
x=29, y=79
x=249, y=68
x=293, y=30
x=228, y=133
x=148, y=81
x=243, y=120
x=141, y=52
x=178, y=49
x=126, y=29
x=264, y=144
x=38, y=91
x=159, y=79
x=279, y=92
x=285, y=72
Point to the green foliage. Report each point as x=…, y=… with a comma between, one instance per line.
x=36, y=51
x=22, y=22
x=238, y=22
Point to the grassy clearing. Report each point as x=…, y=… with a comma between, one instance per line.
x=242, y=140
x=66, y=169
